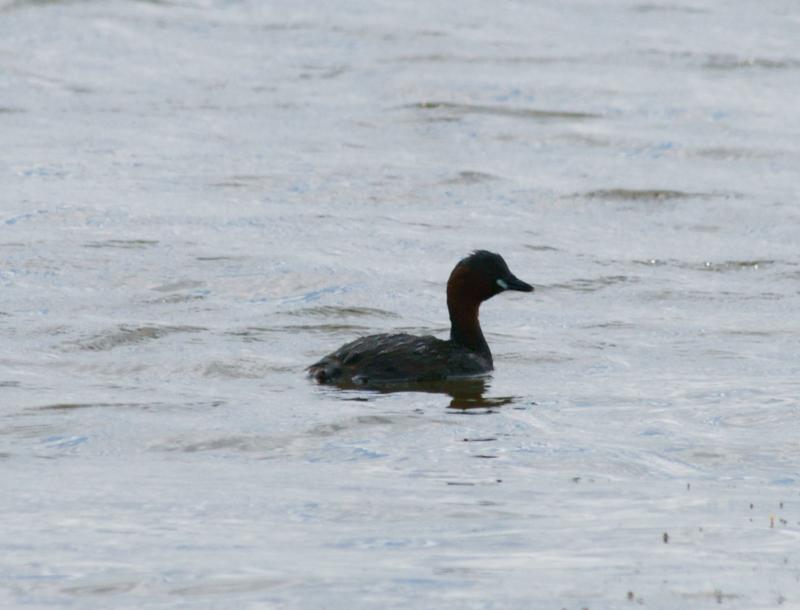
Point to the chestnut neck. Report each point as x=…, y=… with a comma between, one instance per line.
x=465, y=329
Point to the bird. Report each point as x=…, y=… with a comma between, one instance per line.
x=402, y=358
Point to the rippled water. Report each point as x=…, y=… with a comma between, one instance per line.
x=200, y=198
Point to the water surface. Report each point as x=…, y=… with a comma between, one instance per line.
x=201, y=198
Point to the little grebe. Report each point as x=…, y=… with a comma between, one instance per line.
x=398, y=358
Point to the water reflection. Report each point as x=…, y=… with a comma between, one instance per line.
x=465, y=394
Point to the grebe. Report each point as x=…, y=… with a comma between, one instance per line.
x=400, y=358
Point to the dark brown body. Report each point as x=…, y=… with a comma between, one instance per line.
x=399, y=358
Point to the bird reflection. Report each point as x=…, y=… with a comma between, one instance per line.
x=465, y=394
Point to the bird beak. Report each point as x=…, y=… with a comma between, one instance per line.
x=511, y=282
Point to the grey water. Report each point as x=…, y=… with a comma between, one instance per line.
x=199, y=198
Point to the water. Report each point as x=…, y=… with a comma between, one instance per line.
x=201, y=198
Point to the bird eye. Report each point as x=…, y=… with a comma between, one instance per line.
x=502, y=283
